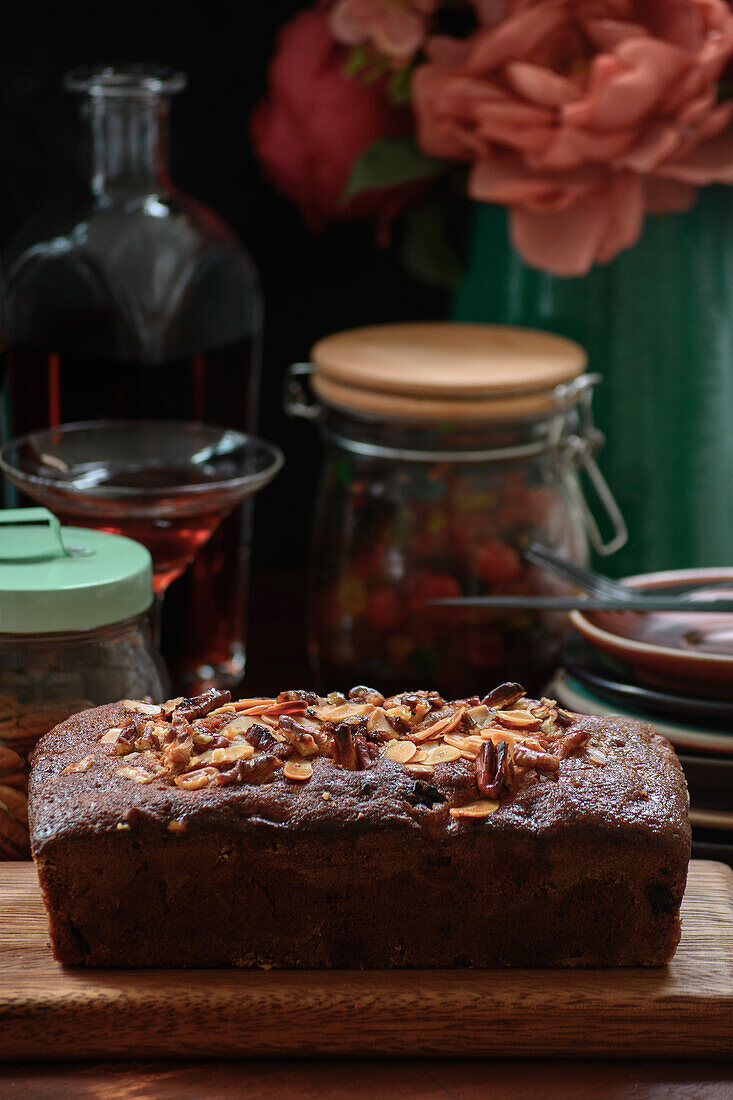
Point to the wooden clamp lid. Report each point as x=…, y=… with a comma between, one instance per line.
x=438, y=370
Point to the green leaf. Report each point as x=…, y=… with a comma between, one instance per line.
x=376, y=72
x=428, y=252
x=390, y=161
x=398, y=86
x=358, y=59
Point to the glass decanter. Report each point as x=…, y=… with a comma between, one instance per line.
x=132, y=300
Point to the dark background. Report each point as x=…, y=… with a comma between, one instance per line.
x=312, y=285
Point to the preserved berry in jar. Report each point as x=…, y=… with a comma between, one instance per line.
x=448, y=449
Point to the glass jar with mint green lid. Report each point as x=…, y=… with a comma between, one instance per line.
x=73, y=634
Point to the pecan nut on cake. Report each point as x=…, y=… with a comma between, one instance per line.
x=358, y=831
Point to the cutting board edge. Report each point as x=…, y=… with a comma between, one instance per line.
x=655, y=1049
x=708, y=1020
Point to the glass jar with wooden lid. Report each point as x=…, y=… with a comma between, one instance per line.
x=449, y=447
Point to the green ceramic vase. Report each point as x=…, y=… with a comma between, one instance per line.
x=658, y=326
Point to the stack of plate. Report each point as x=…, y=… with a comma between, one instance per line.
x=673, y=669
x=700, y=727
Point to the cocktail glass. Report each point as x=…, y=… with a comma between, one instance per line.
x=166, y=483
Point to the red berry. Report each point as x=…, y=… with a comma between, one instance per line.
x=484, y=648
x=384, y=609
x=497, y=563
x=433, y=586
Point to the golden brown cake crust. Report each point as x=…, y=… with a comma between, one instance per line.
x=592, y=862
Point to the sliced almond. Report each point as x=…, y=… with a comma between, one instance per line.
x=259, y=707
x=437, y=754
x=377, y=720
x=546, y=709
x=596, y=755
x=240, y=725
x=440, y=728
x=480, y=715
x=82, y=765
x=404, y=714
x=518, y=719
x=137, y=775
x=419, y=770
x=482, y=808
x=344, y=710
x=288, y=706
x=470, y=741
x=193, y=781
x=400, y=751
x=235, y=751
x=151, y=709
x=201, y=740
x=512, y=737
x=111, y=736
x=219, y=710
x=297, y=769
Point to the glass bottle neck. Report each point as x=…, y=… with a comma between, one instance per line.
x=129, y=144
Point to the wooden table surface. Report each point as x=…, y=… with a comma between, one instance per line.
x=376, y=1080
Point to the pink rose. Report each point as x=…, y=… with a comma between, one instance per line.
x=581, y=115
x=316, y=122
x=396, y=28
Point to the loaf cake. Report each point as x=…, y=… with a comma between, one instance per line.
x=359, y=831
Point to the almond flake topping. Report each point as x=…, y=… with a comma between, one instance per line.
x=299, y=770
x=194, y=781
x=82, y=765
x=208, y=739
x=480, y=808
x=439, y=729
x=230, y=754
x=138, y=775
x=419, y=770
x=518, y=719
x=436, y=754
x=151, y=709
x=400, y=751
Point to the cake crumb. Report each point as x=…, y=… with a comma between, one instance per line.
x=325, y=796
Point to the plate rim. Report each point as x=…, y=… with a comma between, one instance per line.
x=629, y=645
x=637, y=692
x=690, y=738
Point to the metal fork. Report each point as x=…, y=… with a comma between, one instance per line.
x=603, y=588
x=595, y=584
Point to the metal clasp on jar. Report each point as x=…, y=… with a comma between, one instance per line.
x=297, y=397
x=577, y=451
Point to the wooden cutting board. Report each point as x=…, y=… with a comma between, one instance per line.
x=682, y=1010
